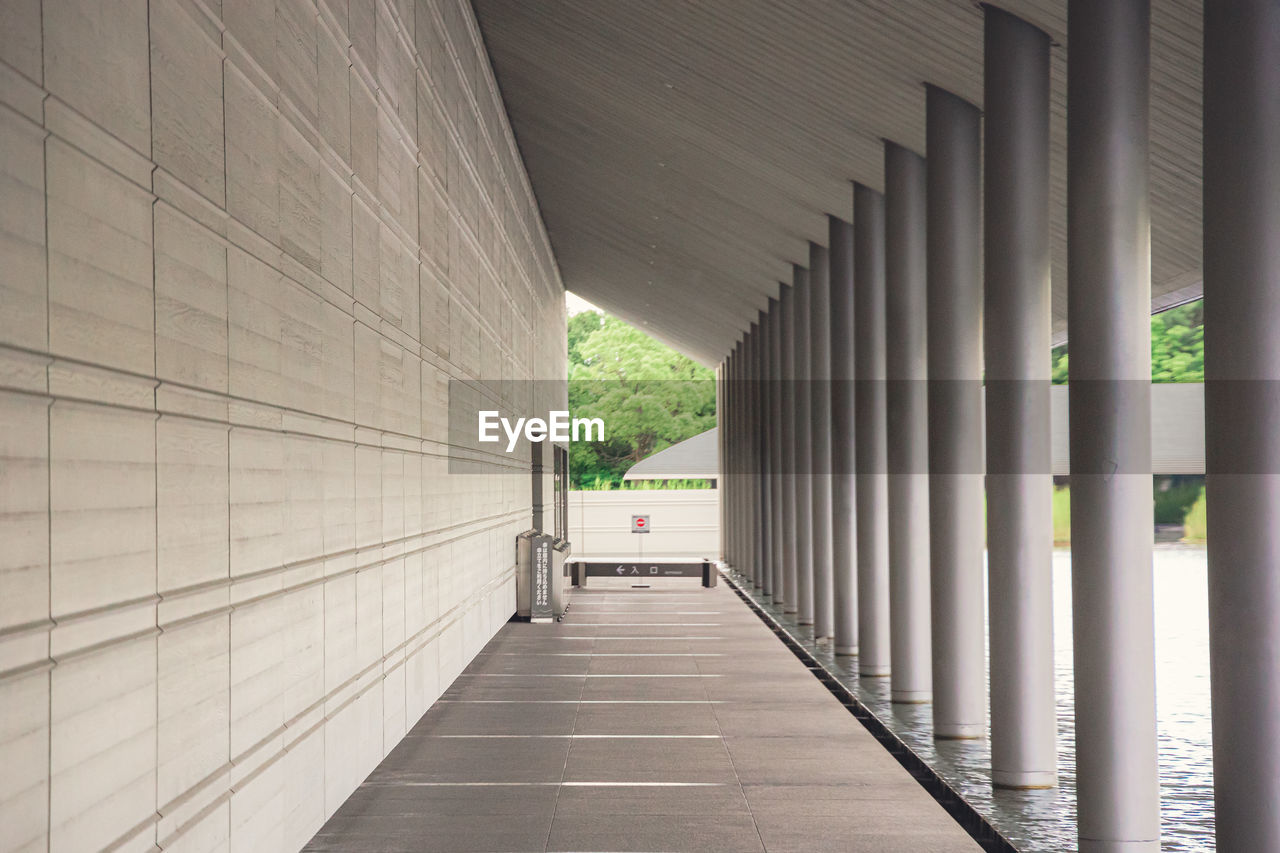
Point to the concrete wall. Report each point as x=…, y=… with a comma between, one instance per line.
x=244, y=244
x=683, y=522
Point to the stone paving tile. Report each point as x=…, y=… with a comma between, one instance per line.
x=584, y=744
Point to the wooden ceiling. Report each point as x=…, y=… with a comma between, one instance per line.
x=684, y=152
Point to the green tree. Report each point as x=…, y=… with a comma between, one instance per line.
x=1177, y=346
x=648, y=395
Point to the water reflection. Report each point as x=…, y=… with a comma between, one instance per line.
x=1044, y=821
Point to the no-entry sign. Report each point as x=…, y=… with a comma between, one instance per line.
x=639, y=524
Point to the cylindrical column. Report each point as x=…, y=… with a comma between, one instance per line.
x=954, y=191
x=844, y=503
x=790, y=574
x=765, y=470
x=726, y=418
x=905, y=277
x=870, y=440
x=759, y=447
x=1108, y=312
x=1242, y=372
x=750, y=520
x=803, y=436
x=776, y=465
x=1019, y=483
x=820, y=431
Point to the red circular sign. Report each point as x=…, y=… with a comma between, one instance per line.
x=639, y=522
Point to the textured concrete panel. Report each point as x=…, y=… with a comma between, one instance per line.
x=234, y=575
x=252, y=151
x=23, y=287
x=24, y=511
x=102, y=497
x=194, y=697
x=101, y=301
x=24, y=750
x=190, y=302
x=102, y=746
x=186, y=96
x=96, y=59
x=192, y=503
x=257, y=500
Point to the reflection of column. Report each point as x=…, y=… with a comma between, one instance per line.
x=953, y=178
x=844, y=516
x=1017, y=345
x=1242, y=366
x=776, y=439
x=1109, y=307
x=802, y=435
x=820, y=435
x=788, y=440
x=909, y=534
x=869, y=432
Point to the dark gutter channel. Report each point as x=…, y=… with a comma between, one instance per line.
x=969, y=818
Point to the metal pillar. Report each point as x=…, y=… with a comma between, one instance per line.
x=790, y=574
x=820, y=432
x=844, y=534
x=1242, y=372
x=803, y=437
x=909, y=535
x=954, y=190
x=870, y=439
x=776, y=465
x=1019, y=483
x=1109, y=308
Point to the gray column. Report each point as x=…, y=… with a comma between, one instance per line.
x=790, y=573
x=750, y=532
x=776, y=465
x=803, y=437
x=1242, y=372
x=870, y=439
x=764, y=471
x=844, y=504
x=760, y=486
x=1019, y=483
x=1109, y=307
x=905, y=273
x=820, y=431
x=722, y=451
x=731, y=471
x=954, y=190
x=726, y=473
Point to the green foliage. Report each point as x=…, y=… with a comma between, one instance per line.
x=648, y=395
x=1177, y=346
x=1195, y=527
x=1061, y=515
x=1174, y=496
x=602, y=484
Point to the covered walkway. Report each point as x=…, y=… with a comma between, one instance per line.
x=661, y=719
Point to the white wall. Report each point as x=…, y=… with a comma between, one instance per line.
x=683, y=523
x=244, y=244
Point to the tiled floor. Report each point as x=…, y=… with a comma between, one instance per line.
x=665, y=719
